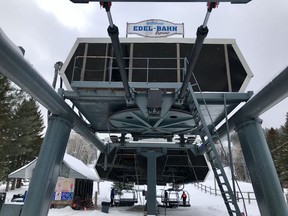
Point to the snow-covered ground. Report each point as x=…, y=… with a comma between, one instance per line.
x=202, y=204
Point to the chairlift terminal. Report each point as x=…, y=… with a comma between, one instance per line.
x=152, y=89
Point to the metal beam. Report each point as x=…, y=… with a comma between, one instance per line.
x=208, y=97
x=114, y=35
x=18, y=70
x=202, y=32
x=158, y=145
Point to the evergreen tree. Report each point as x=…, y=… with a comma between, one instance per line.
x=27, y=134
x=274, y=141
x=21, y=127
x=121, y=186
x=6, y=115
x=30, y=126
x=283, y=150
x=277, y=140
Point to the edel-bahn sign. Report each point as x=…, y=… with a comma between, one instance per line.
x=155, y=28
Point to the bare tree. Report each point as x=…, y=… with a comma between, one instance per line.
x=81, y=149
x=240, y=168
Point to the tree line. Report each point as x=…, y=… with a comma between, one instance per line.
x=21, y=129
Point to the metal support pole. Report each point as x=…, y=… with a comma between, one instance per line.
x=201, y=35
x=229, y=147
x=113, y=33
x=151, y=181
x=57, y=68
x=264, y=178
x=47, y=169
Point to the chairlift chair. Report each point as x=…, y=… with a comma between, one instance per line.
x=173, y=198
x=126, y=198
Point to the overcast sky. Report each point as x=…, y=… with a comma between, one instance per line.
x=47, y=29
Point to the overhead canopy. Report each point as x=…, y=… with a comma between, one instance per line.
x=71, y=167
x=25, y=171
x=74, y=168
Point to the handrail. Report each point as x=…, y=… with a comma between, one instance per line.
x=214, y=191
x=145, y=65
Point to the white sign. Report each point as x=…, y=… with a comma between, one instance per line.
x=155, y=28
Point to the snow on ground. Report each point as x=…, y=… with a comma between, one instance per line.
x=202, y=204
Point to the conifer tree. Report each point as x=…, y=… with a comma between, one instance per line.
x=283, y=150
x=6, y=115
x=120, y=186
x=274, y=141
x=21, y=127
x=29, y=127
x=27, y=134
x=277, y=140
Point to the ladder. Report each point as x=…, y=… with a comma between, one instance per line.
x=212, y=155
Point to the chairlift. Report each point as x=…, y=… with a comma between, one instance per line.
x=126, y=198
x=172, y=198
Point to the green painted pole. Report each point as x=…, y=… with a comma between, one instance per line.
x=263, y=174
x=151, y=181
x=46, y=172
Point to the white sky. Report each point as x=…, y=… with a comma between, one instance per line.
x=47, y=29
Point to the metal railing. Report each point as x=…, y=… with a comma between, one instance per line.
x=104, y=68
x=214, y=191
